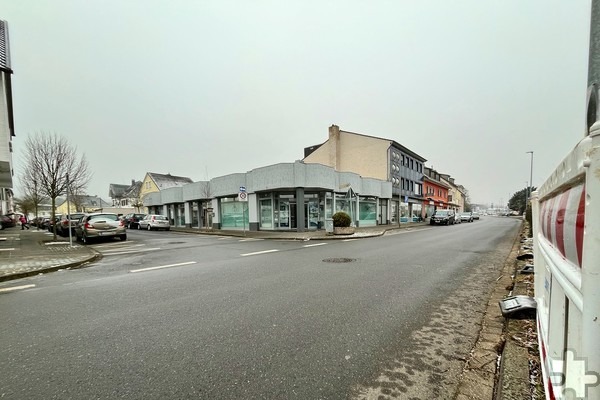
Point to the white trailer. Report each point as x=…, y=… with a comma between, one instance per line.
x=566, y=237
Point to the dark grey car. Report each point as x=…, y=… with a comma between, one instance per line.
x=443, y=217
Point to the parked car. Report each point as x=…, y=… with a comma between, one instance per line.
x=154, y=221
x=51, y=223
x=132, y=220
x=442, y=217
x=466, y=216
x=99, y=225
x=63, y=226
x=457, y=219
x=7, y=222
x=475, y=215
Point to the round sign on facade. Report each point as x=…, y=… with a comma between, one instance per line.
x=242, y=196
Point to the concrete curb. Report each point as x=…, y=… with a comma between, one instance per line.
x=74, y=265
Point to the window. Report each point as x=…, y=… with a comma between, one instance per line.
x=402, y=159
x=412, y=166
x=402, y=183
x=418, y=189
x=412, y=186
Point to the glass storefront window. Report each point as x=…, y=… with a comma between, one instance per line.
x=195, y=215
x=180, y=212
x=416, y=212
x=234, y=214
x=266, y=213
x=403, y=212
x=367, y=212
x=394, y=216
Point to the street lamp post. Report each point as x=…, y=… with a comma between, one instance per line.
x=530, y=176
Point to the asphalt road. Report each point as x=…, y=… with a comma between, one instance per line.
x=176, y=316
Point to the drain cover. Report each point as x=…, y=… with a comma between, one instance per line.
x=339, y=260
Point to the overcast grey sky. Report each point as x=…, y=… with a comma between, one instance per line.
x=209, y=88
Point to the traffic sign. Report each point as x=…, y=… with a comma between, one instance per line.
x=242, y=189
x=242, y=196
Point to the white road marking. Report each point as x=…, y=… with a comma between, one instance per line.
x=313, y=245
x=250, y=240
x=2, y=239
x=225, y=238
x=114, y=244
x=259, y=252
x=130, y=252
x=163, y=266
x=349, y=240
x=10, y=289
x=10, y=249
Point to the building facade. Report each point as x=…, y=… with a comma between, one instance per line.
x=436, y=192
x=7, y=127
x=378, y=158
x=288, y=196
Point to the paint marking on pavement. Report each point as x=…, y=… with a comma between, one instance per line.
x=349, y=240
x=259, y=252
x=9, y=249
x=2, y=239
x=163, y=266
x=313, y=245
x=11, y=289
x=225, y=238
x=250, y=239
x=131, y=252
x=114, y=244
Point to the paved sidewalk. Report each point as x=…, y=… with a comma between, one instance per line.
x=29, y=252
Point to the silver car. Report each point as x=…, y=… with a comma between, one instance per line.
x=154, y=221
x=100, y=225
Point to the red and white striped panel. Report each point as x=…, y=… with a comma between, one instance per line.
x=562, y=219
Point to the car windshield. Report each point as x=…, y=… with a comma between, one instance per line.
x=441, y=213
x=466, y=213
x=110, y=217
x=160, y=217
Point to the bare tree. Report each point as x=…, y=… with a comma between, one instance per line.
x=54, y=166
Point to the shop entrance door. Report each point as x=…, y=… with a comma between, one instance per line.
x=311, y=218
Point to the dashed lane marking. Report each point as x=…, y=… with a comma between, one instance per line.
x=9, y=249
x=313, y=245
x=349, y=240
x=250, y=240
x=259, y=252
x=12, y=289
x=163, y=266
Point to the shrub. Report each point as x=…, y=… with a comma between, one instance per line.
x=341, y=220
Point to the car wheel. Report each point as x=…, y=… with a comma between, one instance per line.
x=123, y=237
x=149, y=227
x=84, y=239
x=139, y=227
x=168, y=229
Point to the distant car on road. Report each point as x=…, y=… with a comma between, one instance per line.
x=475, y=215
x=132, y=220
x=99, y=225
x=466, y=216
x=154, y=221
x=443, y=217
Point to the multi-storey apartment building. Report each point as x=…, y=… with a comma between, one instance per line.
x=7, y=128
x=379, y=158
x=436, y=191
